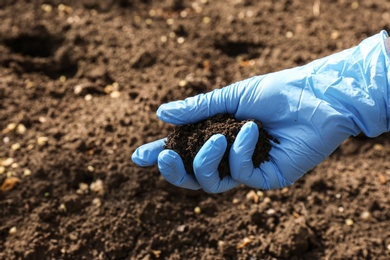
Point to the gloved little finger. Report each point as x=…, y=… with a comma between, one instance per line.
x=172, y=169
x=241, y=164
x=206, y=166
x=146, y=155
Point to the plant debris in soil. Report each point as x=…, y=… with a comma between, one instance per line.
x=188, y=139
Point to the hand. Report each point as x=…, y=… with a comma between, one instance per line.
x=311, y=110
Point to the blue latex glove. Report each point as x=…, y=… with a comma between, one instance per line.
x=311, y=110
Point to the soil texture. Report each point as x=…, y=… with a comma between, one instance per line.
x=80, y=82
x=188, y=139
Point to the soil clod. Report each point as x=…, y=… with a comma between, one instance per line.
x=188, y=139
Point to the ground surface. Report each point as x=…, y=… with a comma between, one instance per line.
x=79, y=87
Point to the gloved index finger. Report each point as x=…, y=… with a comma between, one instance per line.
x=202, y=106
x=147, y=154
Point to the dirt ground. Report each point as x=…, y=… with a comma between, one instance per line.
x=80, y=82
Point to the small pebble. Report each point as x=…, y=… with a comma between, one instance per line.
x=7, y=162
x=289, y=34
x=62, y=78
x=378, y=147
x=83, y=186
x=21, y=129
x=12, y=231
x=236, y=201
x=47, y=8
x=183, y=83
x=340, y=209
x=152, y=12
x=90, y=168
x=163, y=38
x=180, y=40
x=285, y=190
x=96, y=202
x=15, y=165
x=15, y=146
x=335, y=35
x=365, y=215
x=11, y=174
x=2, y=169
x=196, y=7
x=108, y=89
x=252, y=195
x=197, y=210
x=64, y=8
x=29, y=84
x=62, y=207
x=148, y=21
x=260, y=194
x=338, y=195
x=88, y=97
x=170, y=21
x=73, y=236
x=78, y=89
x=42, y=140
x=267, y=200
x=349, y=222
x=97, y=187
x=206, y=20
x=27, y=172
x=115, y=94
x=271, y=212
x=11, y=126
x=181, y=228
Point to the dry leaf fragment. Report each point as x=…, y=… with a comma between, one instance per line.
x=296, y=215
x=156, y=253
x=382, y=178
x=246, y=241
x=9, y=183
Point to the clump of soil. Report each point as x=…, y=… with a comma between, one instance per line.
x=187, y=140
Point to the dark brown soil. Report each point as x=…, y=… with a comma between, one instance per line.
x=187, y=140
x=79, y=87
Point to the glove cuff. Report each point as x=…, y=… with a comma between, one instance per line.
x=386, y=51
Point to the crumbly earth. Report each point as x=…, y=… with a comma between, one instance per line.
x=79, y=87
x=188, y=139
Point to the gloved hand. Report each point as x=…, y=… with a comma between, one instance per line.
x=311, y=110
